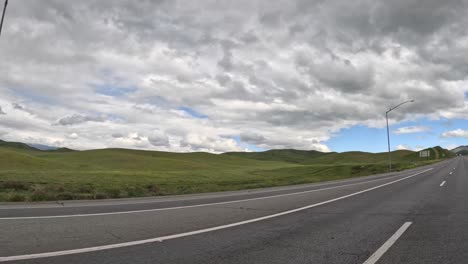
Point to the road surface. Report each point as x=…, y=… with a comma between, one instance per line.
x=414, y=216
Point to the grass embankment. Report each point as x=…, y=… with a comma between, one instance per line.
x=32, y=175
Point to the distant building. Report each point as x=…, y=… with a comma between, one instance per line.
x=424, y=154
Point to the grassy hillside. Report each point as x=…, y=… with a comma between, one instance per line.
x=435, y=153
x=15, y=145
x=287, y=155
x=34, y=175
x=462, y=150
x=316, y=157
x=352, y=157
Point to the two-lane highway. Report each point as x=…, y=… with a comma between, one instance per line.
x=415, y=216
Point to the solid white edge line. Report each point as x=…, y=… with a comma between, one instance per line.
x=442, y=184
x=188, y=206
x=379, y=253
x=163, y=238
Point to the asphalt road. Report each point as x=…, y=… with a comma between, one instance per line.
x=415, y=216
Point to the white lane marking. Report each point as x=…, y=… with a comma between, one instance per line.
x=442, y=184
x=191, y=233
x=189, y=206
x=379, y=253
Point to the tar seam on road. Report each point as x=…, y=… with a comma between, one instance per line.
x=188, y=206
x=442, y=184
x=191, y=233
x=379, y=253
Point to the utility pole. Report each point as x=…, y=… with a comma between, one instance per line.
x=388, y=142
x=3, y=16
x=388, y=134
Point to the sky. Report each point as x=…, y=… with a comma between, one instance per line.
x=221, y=76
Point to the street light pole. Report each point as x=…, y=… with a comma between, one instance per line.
x=388, y=133
x=388, y=142
x=3, y=16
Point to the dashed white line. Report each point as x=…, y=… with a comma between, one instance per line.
x=200, y=231
x=190, y=206
x=379, y=253
x=442, y=184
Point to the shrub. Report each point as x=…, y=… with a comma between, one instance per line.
x=14, y=185
x=84, y=196
x=37, y=187
x=65, y=196
x=113, y=193
x=153, y=188
x=41, y=195
x=100, y=196
x=16, y=197
x=85, y=189
x=134, y=191
x=59, y=188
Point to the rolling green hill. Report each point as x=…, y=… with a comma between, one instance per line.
x=30, y=174
x=287, y=155
x=15, y=145
x=435, y=153
x=462, y=150
x=350, y=157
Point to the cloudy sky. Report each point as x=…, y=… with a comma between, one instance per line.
x=234, y=75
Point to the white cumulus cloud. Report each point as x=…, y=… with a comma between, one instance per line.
x=411, y=129
x=403, y=147
x=457, y=133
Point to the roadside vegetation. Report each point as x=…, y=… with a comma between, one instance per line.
x=27, y=174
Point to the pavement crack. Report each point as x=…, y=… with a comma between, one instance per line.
x=245, y=208
x=351, y=253
x=113, y=235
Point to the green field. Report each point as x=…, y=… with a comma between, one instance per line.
x=27, y=174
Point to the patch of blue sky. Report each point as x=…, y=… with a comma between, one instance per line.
x=29, y=95
x=367, y=139
x=112, y=90
x=192, y=112
x=358, y=138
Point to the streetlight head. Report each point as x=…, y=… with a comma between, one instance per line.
x=412, y=101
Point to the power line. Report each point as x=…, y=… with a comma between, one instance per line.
x=3, y=16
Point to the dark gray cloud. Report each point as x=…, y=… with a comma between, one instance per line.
x=17, y=106
x=158, y=138
x=253, y=138
x=117, y=135
x=78, y=119
x=21, y=107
